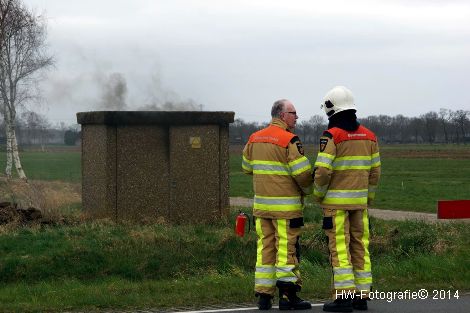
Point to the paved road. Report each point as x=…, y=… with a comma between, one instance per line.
x=461, y=305
x=378, y=213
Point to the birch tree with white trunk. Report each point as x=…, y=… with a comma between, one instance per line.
x=22, y=57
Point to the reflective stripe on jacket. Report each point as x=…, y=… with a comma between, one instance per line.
x=347, y=169
x=282, y=175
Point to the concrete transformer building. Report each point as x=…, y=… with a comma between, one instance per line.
x=142, y=166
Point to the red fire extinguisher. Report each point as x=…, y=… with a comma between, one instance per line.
x=240, y=223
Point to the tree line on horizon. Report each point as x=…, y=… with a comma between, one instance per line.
x=445, y=126
x=35, y=129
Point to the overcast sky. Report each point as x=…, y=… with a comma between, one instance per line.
x=398, y=57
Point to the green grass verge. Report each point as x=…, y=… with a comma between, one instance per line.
x=106, y=265
x=118, y=293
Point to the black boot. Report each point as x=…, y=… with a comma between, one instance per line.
x=359, y=304
x=339, y=305
x=265, y=301
x=288, y=298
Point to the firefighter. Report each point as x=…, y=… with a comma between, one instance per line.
x=282, y=176
x=346, y=174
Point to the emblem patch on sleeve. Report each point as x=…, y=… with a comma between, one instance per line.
x=323, y=143
x=300, y=148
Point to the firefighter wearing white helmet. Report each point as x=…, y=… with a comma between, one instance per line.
x=337, y=100
x=347, y=171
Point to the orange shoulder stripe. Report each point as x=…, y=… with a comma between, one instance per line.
x=362, y=133
x=272, y=134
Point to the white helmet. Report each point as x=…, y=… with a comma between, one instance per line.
x=338, y=99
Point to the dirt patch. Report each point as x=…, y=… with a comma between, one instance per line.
x=10, y=212
x=52, y=198
x=455, y=154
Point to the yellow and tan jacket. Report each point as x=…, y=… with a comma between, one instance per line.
x=282, y=175
x=347, y=169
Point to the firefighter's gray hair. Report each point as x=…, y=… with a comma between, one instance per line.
x=278, y=107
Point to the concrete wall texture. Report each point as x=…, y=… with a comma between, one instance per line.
x=143, y=166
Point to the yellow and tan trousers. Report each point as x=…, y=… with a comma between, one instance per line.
x=277, y=253
x=348, y=242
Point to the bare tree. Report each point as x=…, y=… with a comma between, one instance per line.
x=240, y=131
x=4, y=8
x=444, y=118
x=22, y=56
x=431, y=122
x=400, y=124
x=460, y=120
x=304, y=130
x=36, y=128
x=236, y=131
x=319, y=125
x=416, y=127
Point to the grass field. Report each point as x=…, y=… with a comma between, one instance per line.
x=413, y=177
x=87, y=266
x=96, y=265
x=57, y=165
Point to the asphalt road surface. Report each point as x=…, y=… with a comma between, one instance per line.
x=378, y=213
x=428, y=305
